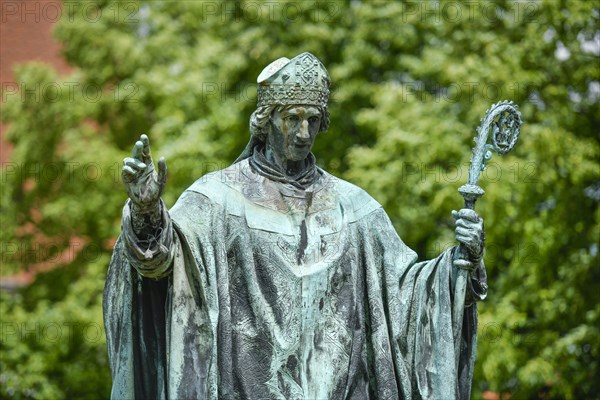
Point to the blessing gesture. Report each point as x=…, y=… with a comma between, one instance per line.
x=144, y=185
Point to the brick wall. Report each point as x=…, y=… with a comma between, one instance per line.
x=26, y=35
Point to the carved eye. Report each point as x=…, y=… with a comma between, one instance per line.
x=292, y=118
x=313, y=120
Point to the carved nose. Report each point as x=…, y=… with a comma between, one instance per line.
x=303, y=132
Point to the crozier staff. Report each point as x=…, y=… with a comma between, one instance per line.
x=272, y=279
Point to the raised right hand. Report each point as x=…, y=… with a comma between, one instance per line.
x=144, y=185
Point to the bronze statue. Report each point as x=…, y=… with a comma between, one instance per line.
x=272, y=279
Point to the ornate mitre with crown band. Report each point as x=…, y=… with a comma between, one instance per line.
x=301, y=80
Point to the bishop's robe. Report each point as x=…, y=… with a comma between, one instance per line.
x=260, y=287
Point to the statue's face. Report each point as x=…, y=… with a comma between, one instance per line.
x=294, y=131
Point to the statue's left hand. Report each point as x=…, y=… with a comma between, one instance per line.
x=470, y=233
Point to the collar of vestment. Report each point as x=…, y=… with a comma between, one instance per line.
x=241, y=186
x=303, y=180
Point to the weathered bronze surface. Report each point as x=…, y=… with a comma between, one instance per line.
x=272, y=279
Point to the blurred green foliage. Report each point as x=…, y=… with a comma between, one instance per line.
x=410, y=83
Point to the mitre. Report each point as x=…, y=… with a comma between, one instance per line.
x=301, y=80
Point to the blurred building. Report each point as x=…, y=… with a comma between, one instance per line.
x=26, y=35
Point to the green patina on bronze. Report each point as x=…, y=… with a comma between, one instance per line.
x=272, y=279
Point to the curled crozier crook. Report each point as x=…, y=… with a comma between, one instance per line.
x=504, y=121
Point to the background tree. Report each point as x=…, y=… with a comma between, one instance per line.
x=410, y=83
